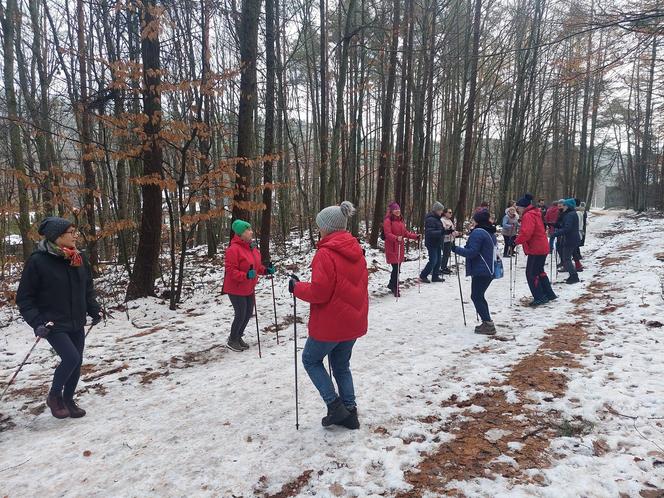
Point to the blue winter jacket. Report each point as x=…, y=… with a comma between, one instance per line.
x=569, y=230
x=433, y=230
x=480, y=244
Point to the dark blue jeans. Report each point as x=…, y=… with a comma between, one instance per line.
x=339, y=354
x=478, y=287
x=433, y=265
x=69, y=347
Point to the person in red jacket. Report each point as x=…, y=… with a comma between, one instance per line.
x=395, y=232
x=339, y=298
x=243, y=265
x=536, y=246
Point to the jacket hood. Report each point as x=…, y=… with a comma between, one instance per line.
x=344, y=244
x=46, y=247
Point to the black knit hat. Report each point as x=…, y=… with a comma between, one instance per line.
x=52, y=227
x=482, y=216
x=525, y=201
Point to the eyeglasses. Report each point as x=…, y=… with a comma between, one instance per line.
x=72, y=232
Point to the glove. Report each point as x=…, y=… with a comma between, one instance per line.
x=43, y=330
x=98, y=318
x=251, y=274
x=271, y=270
x=291, y=283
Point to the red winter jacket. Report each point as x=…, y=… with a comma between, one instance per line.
x=394, y=250
x=240, y=257
x=532, y=234
x=338, y=291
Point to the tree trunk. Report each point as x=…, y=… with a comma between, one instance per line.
x=9, y=19
x=248, y=37
x=386, y=130
x=146, y=264
x=268, y=139
x=460, y=211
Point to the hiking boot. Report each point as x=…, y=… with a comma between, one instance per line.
x=578, y=266
x=573, y=279
x=75, y=411
x=487, y=328
x=336, y=413
x=538, y=302
x=552, y=297
x=57, y=406
x=446, y=271
x=234, y=345
x=425, y=280
x=438, y=279
x=243, y=344
x=351, y=421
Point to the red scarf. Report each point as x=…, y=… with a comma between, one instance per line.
x=73, y=256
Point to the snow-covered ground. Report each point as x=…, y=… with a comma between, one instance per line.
x=171, y=412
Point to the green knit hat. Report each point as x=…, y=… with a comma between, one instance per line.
x=240, y=226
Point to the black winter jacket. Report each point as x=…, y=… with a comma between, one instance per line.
x=51, y=290
x=569, y=230
x=434, y=231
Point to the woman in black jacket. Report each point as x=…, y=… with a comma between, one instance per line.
x=433, y=241
x=54, y=296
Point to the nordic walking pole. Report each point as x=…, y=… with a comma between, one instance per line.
x=19, y=368
x=510, y=282
x=297, y=406
x=398, y=268
x=419, y=268
x=89, y=329
x=258, y=333
x=274, y=305
x=463, y=309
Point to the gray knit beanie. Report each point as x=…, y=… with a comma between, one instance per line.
x=438, y=206
x=52, y=227
x=335, y=218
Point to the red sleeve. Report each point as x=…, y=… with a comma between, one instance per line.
x=526, y=232
x=387, y=230
x=411, y=235
x=232, y=265
x=262, y=270
x=323, y=278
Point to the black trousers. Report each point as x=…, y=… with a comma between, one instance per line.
x=393, y=277
x=243, y=307
x=69, y=347
x=447, y=250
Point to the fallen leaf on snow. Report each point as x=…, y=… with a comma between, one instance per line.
x=600, y=447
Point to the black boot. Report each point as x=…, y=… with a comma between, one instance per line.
x=351, y=421
x=336, y=413
x=573, y=279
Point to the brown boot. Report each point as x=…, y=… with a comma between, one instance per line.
x=487, y=328
x=57, y=406
x=75, y=411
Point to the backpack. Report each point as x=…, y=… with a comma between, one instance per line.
x=497, y=270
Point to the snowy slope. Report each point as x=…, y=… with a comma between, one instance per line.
x=173, y=413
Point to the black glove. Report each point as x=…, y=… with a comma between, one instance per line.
x=291, y=283
x=43, y=330
x=97, y=319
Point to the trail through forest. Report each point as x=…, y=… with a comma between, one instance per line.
x=565, y=401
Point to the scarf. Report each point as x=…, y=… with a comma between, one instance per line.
x=72, y=255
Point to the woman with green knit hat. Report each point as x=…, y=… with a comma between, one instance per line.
x=242, y=265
